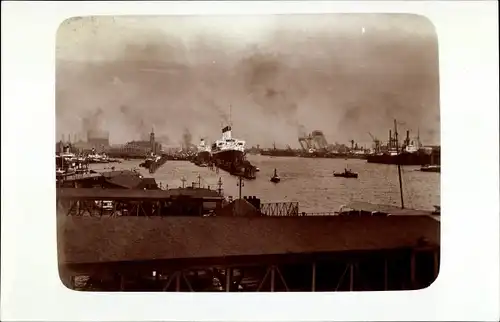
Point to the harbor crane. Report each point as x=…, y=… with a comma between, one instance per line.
x=376, y=143
x=315, y=141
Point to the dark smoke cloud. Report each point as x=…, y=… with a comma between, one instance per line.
x=306, y=73
x=92, y=122
x=187, y=139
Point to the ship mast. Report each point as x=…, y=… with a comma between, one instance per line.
x=398, y=163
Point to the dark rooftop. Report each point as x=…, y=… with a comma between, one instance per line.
x=193, y=192
x=92, y=240
x=131, y=194
x=80, y=177
x=126, y=180
x=239, y=207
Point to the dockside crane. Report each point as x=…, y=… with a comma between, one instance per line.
x=376, y=143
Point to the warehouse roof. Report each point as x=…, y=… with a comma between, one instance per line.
x=93, y=240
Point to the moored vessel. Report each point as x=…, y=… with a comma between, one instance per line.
x=274, y=152
x=228, y=153
x=228, y=150
x=411, y=153
x=203, y=155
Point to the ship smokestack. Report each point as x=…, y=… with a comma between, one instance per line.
x=152, y=141
x=390, y=139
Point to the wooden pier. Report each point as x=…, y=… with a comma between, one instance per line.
x=180, y=253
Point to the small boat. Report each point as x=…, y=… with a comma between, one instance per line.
x=346, y=174
x=275, y=178
x=431, y=168
x=149, y=160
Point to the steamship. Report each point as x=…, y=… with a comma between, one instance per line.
x=274, y=152
x=228, y=151
x=412, y=152
x=203, y=155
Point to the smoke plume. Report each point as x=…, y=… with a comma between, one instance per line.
x=272, y=78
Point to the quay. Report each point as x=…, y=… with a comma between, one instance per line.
x=330, y=253
x=153, y=164
x=190, y=239
x=119, y=179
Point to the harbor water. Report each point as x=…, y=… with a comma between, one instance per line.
x=309, y=181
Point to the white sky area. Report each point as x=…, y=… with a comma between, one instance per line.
x=342, y=74
x=102, y=38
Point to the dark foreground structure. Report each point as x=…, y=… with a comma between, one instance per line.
x=179, y=253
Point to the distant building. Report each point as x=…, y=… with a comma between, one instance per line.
x=84, y=147
x=62, y=146
x=136, y=148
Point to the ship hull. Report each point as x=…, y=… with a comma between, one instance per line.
x=229, y=157
x=404, y=159
x=234, y=162
x=433, y=168
x=344, y=175
x=203, y=157
x=279, y=153
x=146, y=163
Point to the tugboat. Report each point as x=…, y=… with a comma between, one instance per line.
x=275, y=178
x=152, y=158
x=346, y=174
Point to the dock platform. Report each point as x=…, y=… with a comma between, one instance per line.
x=326, y=253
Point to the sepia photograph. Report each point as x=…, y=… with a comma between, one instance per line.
x=252, y=153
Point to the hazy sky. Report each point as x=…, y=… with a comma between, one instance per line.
x=346, y=75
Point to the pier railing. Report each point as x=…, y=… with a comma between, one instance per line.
x=124, y=202
x=328, y=213
x=280, y=209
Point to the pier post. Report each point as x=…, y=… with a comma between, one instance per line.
x=436, y=263
x=178, y=281
x=351, y=277
x=72, y=282
x=122, y=282
x=313, y=282
x=399, y=165
x=385, y=274
x=229, y=272
x=412, y=269
x=273, y=276
x=240, y=185
x=219, y=186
